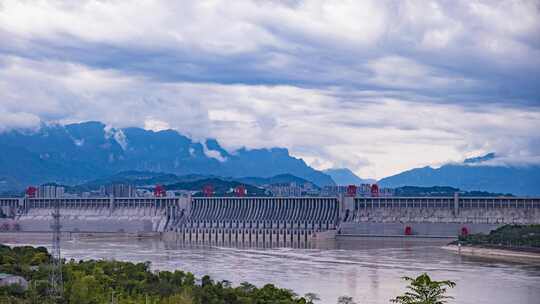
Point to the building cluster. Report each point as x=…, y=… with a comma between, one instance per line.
x=46, y=191
x=292, y=189
x=363, y=190
x=118, y=190
x=51, y=191
x=308, y=189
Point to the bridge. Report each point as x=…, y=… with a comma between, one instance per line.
x=272, y=221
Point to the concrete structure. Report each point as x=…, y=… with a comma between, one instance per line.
x=261, y=221
x=275, y=221
x=292, y=189
x=50, y=191
x=118, y=190
x=7, y=279
x=435, y=216
x=130, y=215
x=363, y=190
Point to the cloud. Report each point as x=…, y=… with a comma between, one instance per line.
x=118, y=136
x=304, y=43
x=399, y=72
x=376, y=86
x=156, y=125
x=371, y=133
x=213, y=153
x=14, y=120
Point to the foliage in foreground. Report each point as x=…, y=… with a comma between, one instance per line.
x=96, y=282
x=509, y=236
x=101, y=281
x=423, y=290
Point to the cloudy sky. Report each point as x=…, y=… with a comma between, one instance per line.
x=376, y=86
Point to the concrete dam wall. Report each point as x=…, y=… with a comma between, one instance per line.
x=291, y=221
x=130, y=215
x=272, y=220
x=444, y=216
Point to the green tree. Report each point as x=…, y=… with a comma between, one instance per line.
x=423, y=290
x=345, y=300
x=86, y=290
x=311, y=297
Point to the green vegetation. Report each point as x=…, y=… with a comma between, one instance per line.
x=441, y=191
x=96, y=282
x=423, y=290
x=508, y=236
x=192, y=182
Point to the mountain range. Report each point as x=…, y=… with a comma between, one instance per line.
x=79, y=153
x=76, y=153
x=474, y=174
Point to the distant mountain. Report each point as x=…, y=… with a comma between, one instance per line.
x=344, y=176
x=278, y=179
x=76, y=153
x=173, y=181
x=220, y=187
x=472, y=174
x=138, y=178
x=192, y=182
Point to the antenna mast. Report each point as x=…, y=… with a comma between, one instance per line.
x=55, y=277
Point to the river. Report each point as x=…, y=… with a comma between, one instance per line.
x=368, y=269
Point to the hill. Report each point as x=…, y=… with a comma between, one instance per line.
x=344, y=176
x=220, y=187
x=193, y=182
x=76, y=153
x=441, y=191
x=473, y=174
x=278, y=179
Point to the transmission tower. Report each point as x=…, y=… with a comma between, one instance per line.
x=55, y=276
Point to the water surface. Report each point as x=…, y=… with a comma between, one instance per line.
x=367, y=269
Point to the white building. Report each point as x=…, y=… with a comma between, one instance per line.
x=50, y=191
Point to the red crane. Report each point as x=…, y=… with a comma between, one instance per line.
x=31, y=191
x=351, y=190
x=240, y=191
x=374, y=190
x=208, y=191
x=159, y=191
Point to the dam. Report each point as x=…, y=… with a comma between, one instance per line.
x=435, y=216
x=271, y=221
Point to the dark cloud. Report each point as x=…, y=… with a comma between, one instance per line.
x=452, y=52
x=399, y=83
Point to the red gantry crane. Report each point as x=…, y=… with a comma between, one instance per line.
x=208, y=190
x=159, y=191
x=31, y=191
x=374, y=190
x=351, y=190
x=240, y=191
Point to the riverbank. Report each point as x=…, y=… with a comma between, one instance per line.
x=486, y=252
x=97, y=281
x=353, y=267
x=22, y=236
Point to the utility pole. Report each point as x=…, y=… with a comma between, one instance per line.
x=56, y=285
